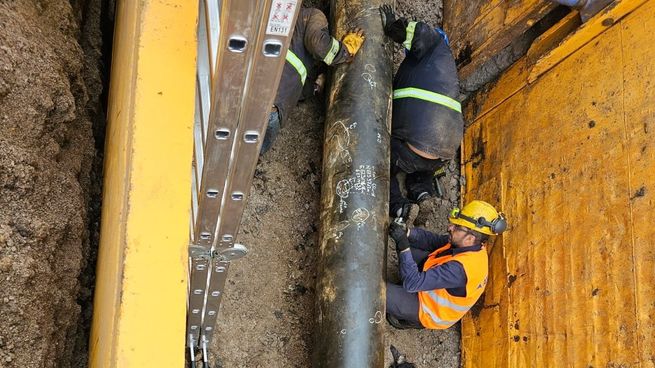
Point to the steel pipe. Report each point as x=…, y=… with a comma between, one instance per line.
x=350, y=293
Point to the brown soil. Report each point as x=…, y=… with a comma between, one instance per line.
x=267, y=315
x=50, y=181
x=49, y=89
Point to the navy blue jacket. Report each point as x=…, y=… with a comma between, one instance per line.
x=428, y=126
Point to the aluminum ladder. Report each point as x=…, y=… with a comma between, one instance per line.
x=242, y=46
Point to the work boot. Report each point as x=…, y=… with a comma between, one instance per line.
x=418, y=196
x=407, y=214
x=422, y=196
x=419, y=186
x=402, y=324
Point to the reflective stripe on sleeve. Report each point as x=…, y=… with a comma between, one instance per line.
x=426, y=95
x=298, y=65
x=334, y=50
x=409, y=35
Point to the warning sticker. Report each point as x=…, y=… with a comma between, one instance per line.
x=279, y=21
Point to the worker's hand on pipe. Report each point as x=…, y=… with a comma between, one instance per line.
x=399, y=235
x=394, y=30
x=353, y=41
x=388, y=16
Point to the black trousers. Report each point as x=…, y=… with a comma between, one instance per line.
x=419, y=172
x=402, y=304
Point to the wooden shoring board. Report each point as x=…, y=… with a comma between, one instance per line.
x=478, y=30
x=569, y=158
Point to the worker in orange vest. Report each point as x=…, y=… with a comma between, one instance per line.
x=442, y=275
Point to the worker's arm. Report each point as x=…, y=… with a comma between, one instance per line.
x=321, y=44
x=445, y=276
x=416, y=37
x=426, y=240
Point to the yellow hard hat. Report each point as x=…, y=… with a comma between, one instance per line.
x=479, y=216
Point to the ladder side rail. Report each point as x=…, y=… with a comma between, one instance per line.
x=235, y=49
x=221, y=116
x=198, y=141
x=210, y=44
x=212, y=9
x=258, y=100
x=263, y=81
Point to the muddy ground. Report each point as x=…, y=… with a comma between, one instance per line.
x=51, y=136
x=267, y=315
x=49, y=93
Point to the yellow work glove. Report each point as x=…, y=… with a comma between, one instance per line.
x=353, y=40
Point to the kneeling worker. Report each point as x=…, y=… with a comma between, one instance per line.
x=442, y=275
x=427, y=124
x=311, y=41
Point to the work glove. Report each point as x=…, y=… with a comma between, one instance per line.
x=399, y=235
x=353, y=41
x=388, y=16
x=394, y=30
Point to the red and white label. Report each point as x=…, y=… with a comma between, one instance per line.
x=281, y=17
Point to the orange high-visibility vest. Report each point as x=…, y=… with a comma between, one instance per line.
x=438, y=309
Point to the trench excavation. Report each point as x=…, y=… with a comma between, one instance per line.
x=91, y=27
x=55, y=57
x=53, y=73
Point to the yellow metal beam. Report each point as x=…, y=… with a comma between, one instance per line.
x=140, y=297
x=569, y=158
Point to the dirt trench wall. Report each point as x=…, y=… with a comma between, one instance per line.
x=49, y=90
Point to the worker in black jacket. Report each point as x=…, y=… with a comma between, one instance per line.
x=427, y=124
x=311, y=41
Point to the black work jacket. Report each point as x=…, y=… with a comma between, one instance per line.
x=428, y=126
x=311, y=41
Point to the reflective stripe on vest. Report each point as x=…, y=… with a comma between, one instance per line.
x=409, y=35
x=429, y=96
x=435, y=319
x=447, y=303
x=334, y=50
x=298, y=65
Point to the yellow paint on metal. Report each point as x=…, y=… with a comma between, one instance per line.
x=569, y=159
x=140, y=297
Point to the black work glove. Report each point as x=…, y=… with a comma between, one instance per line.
x=388, y=16
x=396, y=30
x=399, y=235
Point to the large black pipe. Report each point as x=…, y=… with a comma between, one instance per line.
x=349, y=330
